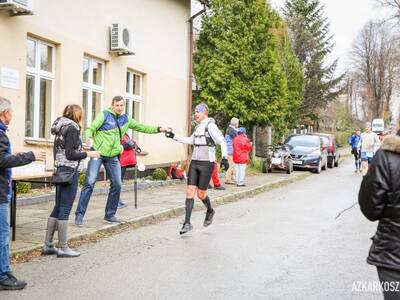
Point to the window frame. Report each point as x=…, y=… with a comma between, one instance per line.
x=91, y=88
x=38, y=74
x=132, y=98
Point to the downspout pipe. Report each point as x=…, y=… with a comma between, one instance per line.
x=190, y=94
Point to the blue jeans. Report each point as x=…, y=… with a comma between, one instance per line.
x=113, y=171
x=4, y=241
x=65, y=196
x=240, y=170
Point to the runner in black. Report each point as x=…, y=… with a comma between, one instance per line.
x=205, y=137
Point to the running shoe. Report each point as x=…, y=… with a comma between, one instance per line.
x=209, y=217
x=186, y=228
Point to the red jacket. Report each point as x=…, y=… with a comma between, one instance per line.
x=128, y=156
x=241, y=148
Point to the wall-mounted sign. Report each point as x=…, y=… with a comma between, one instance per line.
x=9, y=78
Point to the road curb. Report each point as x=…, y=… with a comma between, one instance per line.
x=109, y=230
x=99, y=191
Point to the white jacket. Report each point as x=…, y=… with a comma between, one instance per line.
x=201, y=151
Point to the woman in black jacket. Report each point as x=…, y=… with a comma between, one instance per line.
x=379, y=199
x=68, y=155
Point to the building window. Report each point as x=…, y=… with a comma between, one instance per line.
x=40, y=77
x=134, y=97
x=93, y=89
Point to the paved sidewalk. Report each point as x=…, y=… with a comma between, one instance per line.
x=153, y=204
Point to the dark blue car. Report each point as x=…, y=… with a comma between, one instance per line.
x=307, y=152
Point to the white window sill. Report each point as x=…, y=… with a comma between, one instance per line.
x=45, y=142
x=38, y=141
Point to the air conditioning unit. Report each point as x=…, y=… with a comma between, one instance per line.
x=17, y=7
x=120, y=39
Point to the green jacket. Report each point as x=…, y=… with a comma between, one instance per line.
x=105, y=133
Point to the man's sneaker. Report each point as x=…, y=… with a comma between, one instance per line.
x=241, y=185
x=121, y=204
x=229, y=182
x=113, y=220
x=186, y=228
x=209, y=217
x=78, y=220
x=12, y=283
x=220, y=187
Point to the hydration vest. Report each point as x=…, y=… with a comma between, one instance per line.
x=203, y=139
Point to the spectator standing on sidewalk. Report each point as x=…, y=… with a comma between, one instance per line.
x=204, y=138
x=379, y=199
x=68, y=155
x=105, y=135
x=241, y=148
x=7, y=161
x=230, y=134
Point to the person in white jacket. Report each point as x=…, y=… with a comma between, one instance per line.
x=368, y=145
x=204, y=138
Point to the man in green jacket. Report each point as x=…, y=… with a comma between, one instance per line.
x=104, y=135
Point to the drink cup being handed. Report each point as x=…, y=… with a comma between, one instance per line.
x=169, y=133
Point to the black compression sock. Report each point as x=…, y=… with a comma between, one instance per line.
x=189, y=208
x=207, y=203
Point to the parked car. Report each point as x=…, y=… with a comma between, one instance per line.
x=278, y=158
x=308, y=152
x=332, y=147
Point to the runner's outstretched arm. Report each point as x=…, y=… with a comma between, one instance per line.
x=184, y=139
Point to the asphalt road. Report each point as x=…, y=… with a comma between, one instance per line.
x=307, y=240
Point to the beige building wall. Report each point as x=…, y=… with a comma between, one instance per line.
x=78, y=28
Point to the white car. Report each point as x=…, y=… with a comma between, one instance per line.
x=378, y=125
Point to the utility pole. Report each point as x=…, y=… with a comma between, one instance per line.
x=190, y=81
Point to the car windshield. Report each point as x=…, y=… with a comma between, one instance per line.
x=325, y=139
x=303, y=141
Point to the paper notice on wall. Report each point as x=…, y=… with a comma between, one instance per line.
x=9, y=78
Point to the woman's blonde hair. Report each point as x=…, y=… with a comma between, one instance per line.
x=73, y=112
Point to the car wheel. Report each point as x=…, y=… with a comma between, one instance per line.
x=319, y=168
x=289, y=167
x=337, y=162
x=332, y=163
x=325, y=166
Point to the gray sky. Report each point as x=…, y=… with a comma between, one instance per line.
x=347, y=18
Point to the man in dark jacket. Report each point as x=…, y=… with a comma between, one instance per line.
x=379, y=199
x=8, y=161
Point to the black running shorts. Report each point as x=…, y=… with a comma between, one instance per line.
x=200, y=173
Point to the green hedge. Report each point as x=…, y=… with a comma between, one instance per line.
x=160, y=174
x=23, y=187
x=256, y=164
x=342, y=138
